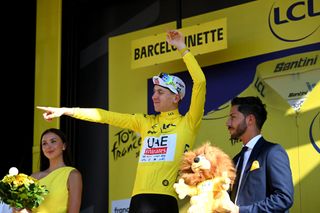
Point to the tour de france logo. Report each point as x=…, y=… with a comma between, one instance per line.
x=312, y=132
x=285, y=17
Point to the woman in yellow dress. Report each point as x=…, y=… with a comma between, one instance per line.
x=63, y=181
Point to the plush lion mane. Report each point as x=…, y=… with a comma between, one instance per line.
x=220, y=162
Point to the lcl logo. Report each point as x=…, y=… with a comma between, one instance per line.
x=259, y=86
x=292, y=21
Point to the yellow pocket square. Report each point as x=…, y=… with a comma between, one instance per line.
x=255, y=165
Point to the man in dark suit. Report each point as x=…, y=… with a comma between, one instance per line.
x=264, y=182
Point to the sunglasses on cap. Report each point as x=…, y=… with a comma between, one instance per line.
x=167, y=79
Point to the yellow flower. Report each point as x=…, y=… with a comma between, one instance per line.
x=21, y=191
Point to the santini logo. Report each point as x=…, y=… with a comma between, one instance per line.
x=292, y=21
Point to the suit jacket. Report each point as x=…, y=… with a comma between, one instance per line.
x=266, y=184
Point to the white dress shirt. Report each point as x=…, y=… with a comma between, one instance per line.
x=247, y=154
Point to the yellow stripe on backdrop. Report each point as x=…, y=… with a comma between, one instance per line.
x=48, y=62
x=253, y=29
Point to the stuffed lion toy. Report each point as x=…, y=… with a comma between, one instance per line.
x=206, y=175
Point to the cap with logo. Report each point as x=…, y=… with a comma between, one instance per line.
x=171, y=82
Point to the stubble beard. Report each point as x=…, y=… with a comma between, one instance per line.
x=235, y=137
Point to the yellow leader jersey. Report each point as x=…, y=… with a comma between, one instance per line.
x=165, y=137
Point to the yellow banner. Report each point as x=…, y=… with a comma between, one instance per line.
x=293, y=64
x=201, y=38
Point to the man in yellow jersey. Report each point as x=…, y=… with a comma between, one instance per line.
x=165, y=136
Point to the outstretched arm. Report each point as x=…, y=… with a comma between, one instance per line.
x=122, y=120
x=54, y=112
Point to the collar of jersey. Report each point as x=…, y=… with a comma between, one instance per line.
x=170, y=114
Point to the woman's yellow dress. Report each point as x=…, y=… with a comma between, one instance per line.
x=56, y=201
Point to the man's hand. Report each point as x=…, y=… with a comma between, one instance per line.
x=176, y=38
x=52, y=112
x=227, y=206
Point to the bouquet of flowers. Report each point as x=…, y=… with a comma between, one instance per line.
x=21, y=191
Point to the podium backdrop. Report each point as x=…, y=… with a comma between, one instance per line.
x=263, y=48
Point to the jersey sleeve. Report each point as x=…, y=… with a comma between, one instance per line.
x=122, y=120
x=198, y=95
